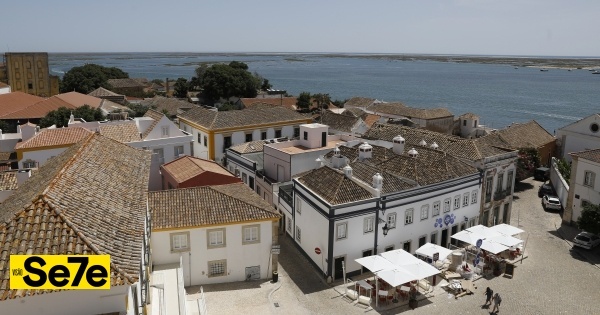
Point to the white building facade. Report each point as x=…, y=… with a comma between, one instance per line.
x=579, y=136
x=584, y=186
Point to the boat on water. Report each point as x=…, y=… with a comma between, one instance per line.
x=596, y=72
x=544, y=70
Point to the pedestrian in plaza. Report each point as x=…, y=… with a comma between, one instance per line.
x=488, y=296
x=497, y=301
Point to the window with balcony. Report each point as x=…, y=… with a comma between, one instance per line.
x=499, y=183
x=488, y=189
x=509, y=182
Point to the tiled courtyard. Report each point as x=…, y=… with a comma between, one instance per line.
x=554, y=279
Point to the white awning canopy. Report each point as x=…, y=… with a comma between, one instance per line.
x=396, y=276
x=506, y=240
x=485, y=231
x=421, y=269
x=429, y=249
x=468, y=237
x=399, y=257
x=507, y=229
x=493, y=247
x=375, y=263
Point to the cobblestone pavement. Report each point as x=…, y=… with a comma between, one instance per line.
x=554, y=279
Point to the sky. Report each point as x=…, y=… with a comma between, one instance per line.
x=479, y=27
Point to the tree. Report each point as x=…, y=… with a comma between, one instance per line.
x=265, y=85
x=60, y=117
x=89, y=77
x=181, y=88
x=589, y=220
x=564, y=168
x=303, y=100
x=528, y=161
x=323, y=100
x=224, y=81
x=6, y=127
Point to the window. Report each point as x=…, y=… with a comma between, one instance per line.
x=408, y=216
x=436, y=209
x=178, y=151
x=389, y=248
x=180, y=242
x=298, y=205
x=237, y=172
x=465, y=199
x=305, y=135
x=278, y=133
x=509, y=182
x=584, y=203
x=369, y=224
x=433, y=238
x=474, y=197
x=251, y=234
x=185, y=128
x=594, y=127
x=165, y=131
x=248, y=137
x=391, y=220
x=499, y=183
x=298, y=235
x=251, y=182
x=296, y=132
x=258, y=190
x=422, y=240
x=263, y=135
x=160, y=155
x=488, y=189
x=205, y=141
x=217, y=268
x=588, y=179
x=30, y=86
x=245, y=178
x=341, y=231
x=170, y=186
x=289, y=224
x=465, y=122
x=473, y=221
x=447, y=205
x=216, y=238
x=424, y=212
x=29, y=164
x=226, y=143
x=456, y=202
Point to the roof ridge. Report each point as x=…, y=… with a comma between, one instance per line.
x=236, y=198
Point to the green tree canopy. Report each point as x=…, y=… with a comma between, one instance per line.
x=564, y=168
x=323, y=100
x=303, y=100
x=589, y=220
x=224, y=81
x=89, y=77
x=181, y=88
x=60, y=117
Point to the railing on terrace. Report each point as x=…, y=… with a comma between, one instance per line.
x=285, y=194
x=261, y=174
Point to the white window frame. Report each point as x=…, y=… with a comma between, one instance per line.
x=245, y=178
x=165, y=131
x=391, y=220
x=289, y=224
x=251, y=234
x=447, y=205
x=473, y=221
x=177, y=240
x=466, y=199
x=409, y=216
x=213, y=264
x=369, y=224
x=29, y=164
x=474, y=197
x=436, y=209
x=160, y=155
x=178, y=151
x=298, y=234
x=341, y=231
x=424, y=212
x=216, y=238
x=432, y=236
x=456, y=202
x=588, y=179
x=298, y=204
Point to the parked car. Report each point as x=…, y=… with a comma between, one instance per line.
x=541, y=173
x=586, y=240
x=551, y=203
x=545, y=189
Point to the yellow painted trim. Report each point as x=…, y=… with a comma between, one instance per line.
x=211, y=145
x=49, y=147
x=247, y=127
x=214, y=225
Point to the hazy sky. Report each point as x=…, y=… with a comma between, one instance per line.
x=493, y=27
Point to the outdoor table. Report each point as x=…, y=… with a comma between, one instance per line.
x=383, y=293
x=363, y=284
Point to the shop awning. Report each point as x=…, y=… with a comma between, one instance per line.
x=506, y=240
x=396, y=276
x=506, y=229
x=399, y=257
x=429, y=249
x=421, y=269
x=493, y=247
x=375, y=263
x=468, y=237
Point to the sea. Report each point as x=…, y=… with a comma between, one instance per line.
x=500, y=94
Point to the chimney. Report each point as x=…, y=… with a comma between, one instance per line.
x=434, y=146
x=413, y=153
x=23, y=176
x=348, y=171
x=423, y=143
x=320, y=162
x=377, y=183
x=398, y=144
x=365, y=151
x=337, y=160
x=71, y=118
x=37, y=129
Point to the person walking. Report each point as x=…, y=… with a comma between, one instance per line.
x=488, y=296
x=497, y=301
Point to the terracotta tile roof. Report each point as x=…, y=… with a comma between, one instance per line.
x=333, y=186
x=16, y=101
x=187, y=167
x=40, y=109
x=156, y=117
x=206, y=206
x=172, y=105
x=55, y=137
x=517, y=136
x=468, y=116
x=77, y=99
x=338, y=122
x=391, y=183
x=380, y=154
x=124, y=133
x=102, y=92
x=370, y=119
x=68, y=208
x=591, y=155
x=359, y=102
x=8, y=180
x=125, y=83
x=7, y=156
x=257, y=115
x=409, y=112
x=287, y=102
x=249, y=147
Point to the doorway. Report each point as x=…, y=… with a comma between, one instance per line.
x=338, y=271
x=406, y=246
x=444, y=238
x=366, y=254
x=454, y=231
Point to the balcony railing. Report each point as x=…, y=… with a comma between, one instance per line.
x=499, y=195
x=285, y=194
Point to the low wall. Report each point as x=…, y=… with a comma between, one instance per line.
x=561, y=186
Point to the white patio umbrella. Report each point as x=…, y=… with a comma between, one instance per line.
x=429, y=249
x=506, y=240
x=399, y=257
x=507, y=229
x=483, y=230
x=396, y=276
x=493, y=247
x=375, y=263
x=420, y=269
x=468, y=237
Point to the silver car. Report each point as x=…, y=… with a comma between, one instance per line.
x=586, y=240
x=551, y=203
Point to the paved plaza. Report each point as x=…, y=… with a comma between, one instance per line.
x=553, y=279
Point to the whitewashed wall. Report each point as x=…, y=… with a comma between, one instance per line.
x=40, y=156
x=585, y=192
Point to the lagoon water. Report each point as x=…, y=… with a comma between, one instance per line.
x=499, y=94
